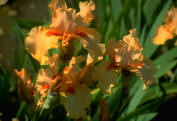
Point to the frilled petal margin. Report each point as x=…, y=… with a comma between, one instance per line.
x=146, y=72
x=76, y=103
x=38, y=43
x=105, y=76
x=90, y=42
x=26, y=89
x=162, y=35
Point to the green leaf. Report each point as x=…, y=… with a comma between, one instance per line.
x=147, y=108
x=4, y=88
x=170, y=88
x=123, y=29
x=134, y=102
x=174, y=78
x=151, y=93
x=149, y=47
x=114, y=100
x=155, y=92
x=146, y=117
x=149, y=9
x=116, y=7
x=139, y=13
x=142, y=36
x=28, y=24
x=165, y=68
x=132, y=18
x=166, y=57
x=113, y=103
x=21, y=109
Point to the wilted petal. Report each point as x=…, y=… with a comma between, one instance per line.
x=38, y=43
x=86, y=9
x=26, y=89
x=76, y=103
x=105, y=76
x=146, y=72
x=162, y=35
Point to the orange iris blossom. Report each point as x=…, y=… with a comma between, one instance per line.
x=70, y=77
x=168, y=30
x=66, y=25
x=124, y=54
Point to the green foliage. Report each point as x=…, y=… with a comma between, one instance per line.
x=114, y=18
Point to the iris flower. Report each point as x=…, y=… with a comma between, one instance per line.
x=168, y=30
x=125, y=54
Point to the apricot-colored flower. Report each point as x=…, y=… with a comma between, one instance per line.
x=66, y=22
x=38, y=43
x=171, y=20
x=77, y=102
x=162, y=36
x=127, y=54
x=66, y=19
x=72, y=71
x=26, y=89
x=105, y=76
x=146, y=72
x=47, y=78
x=168, y=30
x=85, y=11
x=92, y=45
x=75, y=96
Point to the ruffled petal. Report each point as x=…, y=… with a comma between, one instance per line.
x=171, y=20
x=38, y=43
x=26, y=89
x=76, y=103
x=55, y=4
x=162, y=35
x=112, y=45
x=146, y=72
x=71, y=72
x=66, y=20
x=105, y=76
x=86, y=9
x=47, y=79
x=90, y=42
x=168, y=30
x=128, y=53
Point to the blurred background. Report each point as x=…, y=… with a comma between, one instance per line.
x=113, y=19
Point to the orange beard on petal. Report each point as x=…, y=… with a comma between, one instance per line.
x=70, y=89
x=111, y=66
x=46, y=86
x=54, y=32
